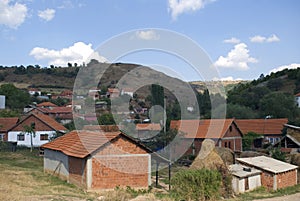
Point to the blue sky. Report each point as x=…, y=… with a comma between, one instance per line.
x=242, y=38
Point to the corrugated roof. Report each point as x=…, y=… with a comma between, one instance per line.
x=80, y=143
x=152, y=126
x=261, y=126
x=7, y=123
x=206, y=128
x=268, y=164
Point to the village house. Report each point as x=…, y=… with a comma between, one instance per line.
x=127, y=91
x=270, y=129
x=113, y=92
x=44, y=127
x=291, y=141
x=244, y=178
x=147, y=131
x=98, y=160
x=297, y=96
x=275, y=174
x=224, y=132
x=34, y=91
x=5, y=124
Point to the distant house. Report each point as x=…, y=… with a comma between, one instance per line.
x=44, y=126
x=147, y=131
x=5, y=124
x=291, y=141
x=275, y=174
x=98, y=160
x=244, y=178
x=224, y=132
x=34, y=91
x=113, y=92
x=297, y=96
x=127, y=91
x=271, y=129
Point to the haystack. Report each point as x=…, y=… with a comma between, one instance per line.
x=226, y=154
x=207, y=157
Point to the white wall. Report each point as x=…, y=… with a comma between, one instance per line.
x=56, y=162
x=13, y=137
x=254, y=182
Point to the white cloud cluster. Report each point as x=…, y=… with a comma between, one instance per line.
x=232, y=40
x=290, y=66
x=147, y=35
x=263, y=39
x=12, y=15
x=177, y=7
x=47, y=14
x=77, y=53
x=238, y=58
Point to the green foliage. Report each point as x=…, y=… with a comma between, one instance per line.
x=248, y=140
x=240, y=112
x=201, y=184
x=106, y=119
x=277, y=154
x=157, y=93
x=9, y=113
x=16, y=99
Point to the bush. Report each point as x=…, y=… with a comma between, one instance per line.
x=201, y=184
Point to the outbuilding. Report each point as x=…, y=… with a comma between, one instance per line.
x=97, y=160
x=275, y=174
x=244, y=178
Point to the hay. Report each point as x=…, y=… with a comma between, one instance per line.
x=226, y=154
x=207, y=157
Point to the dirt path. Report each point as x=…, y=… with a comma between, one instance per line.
x=294, y=197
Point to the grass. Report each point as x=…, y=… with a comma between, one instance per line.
x=24, y=179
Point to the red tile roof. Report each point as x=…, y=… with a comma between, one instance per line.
x=80, y=143
x=261, y=126
x=297, y=95
x=154, y=127
x=46, y=104
x=105, y=128
x=7, y=123
x=206, y=128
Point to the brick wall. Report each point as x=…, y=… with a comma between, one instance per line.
x=120, y=163
x=267, y=180
x=286, y=179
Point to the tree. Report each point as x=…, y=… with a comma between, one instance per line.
x=106, y=119
x=240, y=112
x=29, y=130
x=248, y=140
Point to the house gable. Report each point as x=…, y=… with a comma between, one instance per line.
x=39, y=125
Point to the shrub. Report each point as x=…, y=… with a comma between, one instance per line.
x=200, y=184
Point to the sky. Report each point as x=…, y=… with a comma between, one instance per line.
x=242, y=39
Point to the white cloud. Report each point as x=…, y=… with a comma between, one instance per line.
x=230, y=78
x=232, y=40
x=147, y=35
x=237, y=58
x=12, y=15
x=263, y=39
x=77, y=53
x=290, y=66
x=177, y=7
x=47, y=14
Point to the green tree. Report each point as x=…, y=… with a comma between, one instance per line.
x=16, y=99
x=106, y=119
x=29, y=130
x=248, y=140
x=240, y=112
x=157, y=93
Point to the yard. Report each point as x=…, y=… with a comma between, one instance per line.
x=22, y=178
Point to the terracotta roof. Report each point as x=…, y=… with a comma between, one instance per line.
x=297, y=95
x=45, y=119
x=56, y=110
x=46, y=104
x=105, y=128
x=113, y=90
x=261, y=126
x=80, y=143
x=143, y=127
x=206, y=128
x=7, y=123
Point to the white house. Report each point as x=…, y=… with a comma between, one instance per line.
x=44, y=128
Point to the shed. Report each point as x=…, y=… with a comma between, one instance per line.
x=275, y=174
x=99, y=160
x=244, y=178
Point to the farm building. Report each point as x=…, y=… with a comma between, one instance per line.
x=5, y=124
x=275, y=174
x=291, y=141
x=224, y=132
x=244, y=178
x=98, y=160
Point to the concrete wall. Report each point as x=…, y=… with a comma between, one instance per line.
x=254, y=182
x=238, y=184
x=13, y=137
x=56, y=162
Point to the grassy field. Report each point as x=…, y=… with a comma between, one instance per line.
x=22, y=178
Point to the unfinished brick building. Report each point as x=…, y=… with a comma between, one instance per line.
x=98, y=160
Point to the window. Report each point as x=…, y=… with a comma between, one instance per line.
x=229, y=145
x=225, y=144
x=44, y=137
x=21, y=137
x=230, y=128
x=2, y=137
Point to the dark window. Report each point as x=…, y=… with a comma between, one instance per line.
x=230, y=128
x=44, y=137
x=21, y=137
x=225, y=144
x=229, y=145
